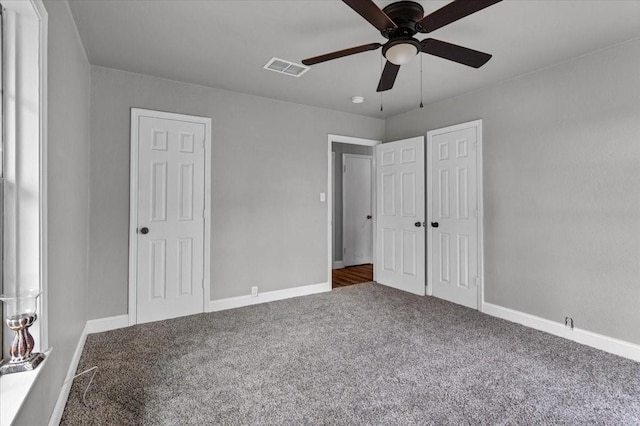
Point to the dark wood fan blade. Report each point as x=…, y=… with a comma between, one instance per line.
x=341, y=53
x=372, y=13
x=455, y=53
x=388, y=77
x=455, y=10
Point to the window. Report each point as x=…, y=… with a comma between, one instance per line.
x=22, y=155
x=23, y=189
x=2, y=332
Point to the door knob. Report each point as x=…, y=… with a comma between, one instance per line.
x=418, y=224
x=144, y=230
x=369, y=216
x=435, y=224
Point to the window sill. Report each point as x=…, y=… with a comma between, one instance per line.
x=14, y=389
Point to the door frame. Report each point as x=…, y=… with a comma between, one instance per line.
x=371, y=203
x=477, y=124
x=136, y=114
x=354, y=141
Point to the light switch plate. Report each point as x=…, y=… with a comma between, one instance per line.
x=323, y=197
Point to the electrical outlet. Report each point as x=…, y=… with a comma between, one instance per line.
x=568, y=322
x=254, y=291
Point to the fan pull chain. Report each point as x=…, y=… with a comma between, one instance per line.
x=381, y=71
x=421, y=91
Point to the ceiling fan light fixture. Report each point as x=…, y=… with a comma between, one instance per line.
x=401, y=53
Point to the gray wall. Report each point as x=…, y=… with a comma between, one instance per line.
x=68, y=201
x=561, y=188
x=268, y=170
x=339, y=149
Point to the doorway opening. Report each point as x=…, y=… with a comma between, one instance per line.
x=351, y=210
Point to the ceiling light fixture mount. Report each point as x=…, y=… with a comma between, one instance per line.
x=357, y=99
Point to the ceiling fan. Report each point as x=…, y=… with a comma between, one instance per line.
x=399, y=22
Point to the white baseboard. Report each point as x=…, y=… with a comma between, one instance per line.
x=240, y=301
x=608, y=344
x=61, y=402
x=338, y=264
x=106, y=324
x=92, y=326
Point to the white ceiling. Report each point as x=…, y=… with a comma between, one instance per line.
x=224, y=44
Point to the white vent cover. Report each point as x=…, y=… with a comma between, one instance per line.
x=286, y=67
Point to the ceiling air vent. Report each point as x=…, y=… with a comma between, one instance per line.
x=286, y=67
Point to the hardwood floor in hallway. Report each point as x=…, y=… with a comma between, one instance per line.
x=352, y=275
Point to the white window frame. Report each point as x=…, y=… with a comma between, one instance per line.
x=28, y=148
x=19, y=43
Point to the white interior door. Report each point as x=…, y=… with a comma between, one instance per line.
x=454, y=214
x=357, y=228
x=170, y=218
x=400, y=235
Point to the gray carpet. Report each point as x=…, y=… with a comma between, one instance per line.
x=364, y=354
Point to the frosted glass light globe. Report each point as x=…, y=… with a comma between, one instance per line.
x=401, y=53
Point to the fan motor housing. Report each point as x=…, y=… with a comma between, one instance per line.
x=404, y=14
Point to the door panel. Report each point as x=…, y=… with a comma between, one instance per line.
x=400, y=257
x=170, y=257
x=454, y=250
x=357, y=228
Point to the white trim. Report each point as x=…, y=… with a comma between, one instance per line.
x=33, y=56
x=338, y=264
x=480, y=183
x=477, y=124
x=608, y=344
x=354, y=141
x=331, y=194
x=133, y=213
x=240, y=301
x=21, y=384
x=61, y=402
x=105, y=324
x=208, y=155
x=43, y=17
x=136, y=113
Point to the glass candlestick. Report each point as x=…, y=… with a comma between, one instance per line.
x=21, y=314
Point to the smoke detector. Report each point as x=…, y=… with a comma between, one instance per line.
x=286, y=67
